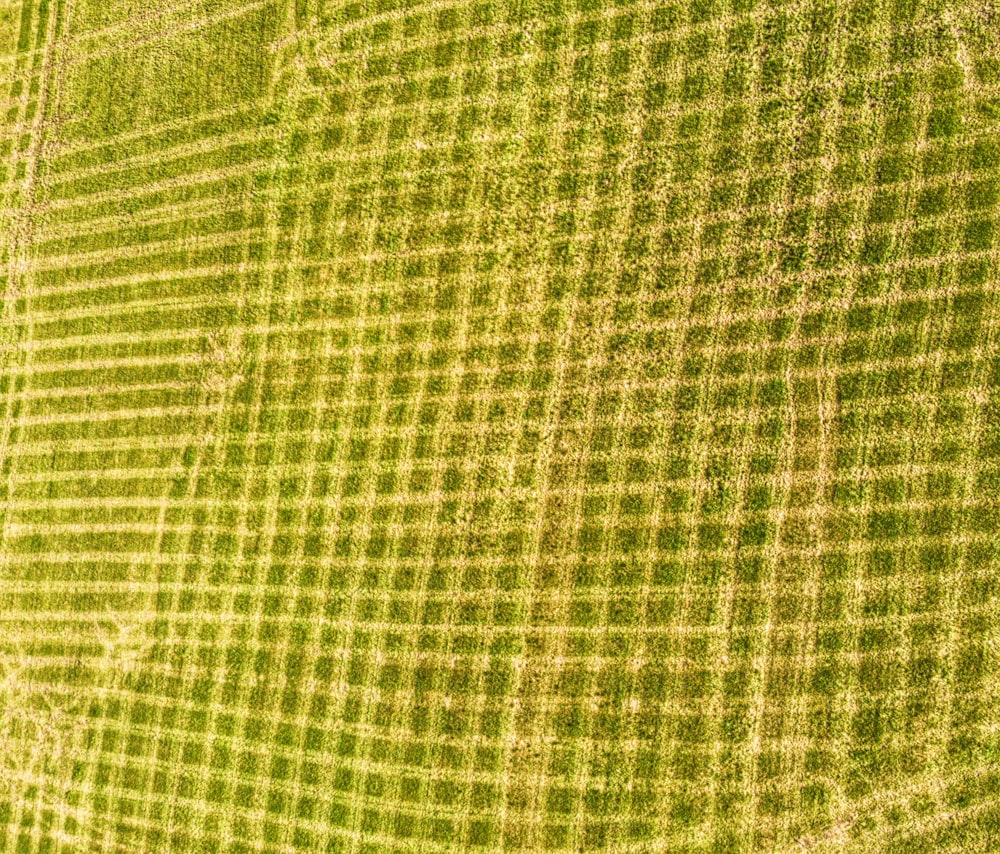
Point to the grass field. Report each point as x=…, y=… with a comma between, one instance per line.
x=499, y=425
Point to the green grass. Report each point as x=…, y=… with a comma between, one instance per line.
x=499, y=426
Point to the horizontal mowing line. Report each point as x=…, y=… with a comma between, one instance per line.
x=900, y=226
x=364, y=54
x=711, y=25
x=248, y=814
x=189, y=214
x=20, y=127
x=566, y=53
x=174, y=246
x=8, y=64
x=96, y=447
x=678, y=665
x=727, y=414
x=491, y=366
x=730, y=283
x=65, y=150
x=431, y=498
x=164, y=156
x=750, y=315
x=90, y=654
x=426, y=42
x=748, y=415
x=212, y=271
x=86, y=619
x=105, y=475
x=319, y=790
x=438, y=497
x=815, y=203
x=377, y=152
x=852, y=548
x=193, y=358
x=31, y=394
x=243, y=170
x=120, y=415
x=180, y=212
x=863, y=475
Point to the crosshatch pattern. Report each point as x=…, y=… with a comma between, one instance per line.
x=497, y=425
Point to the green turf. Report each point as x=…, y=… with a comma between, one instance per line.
x=499, y=425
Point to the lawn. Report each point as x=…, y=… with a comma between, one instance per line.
x=499, y=425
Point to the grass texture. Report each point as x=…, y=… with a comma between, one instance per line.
x=499, y=425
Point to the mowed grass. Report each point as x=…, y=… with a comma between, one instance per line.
x=499, y=426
